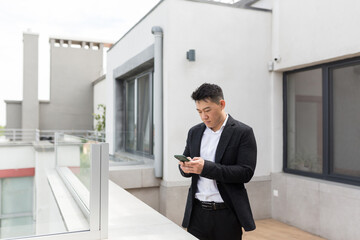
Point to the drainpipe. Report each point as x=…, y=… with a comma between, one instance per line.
x=158, y=100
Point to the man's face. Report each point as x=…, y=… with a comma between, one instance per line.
x=212, y=114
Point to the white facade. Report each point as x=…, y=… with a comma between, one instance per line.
x=245, y=87
x=310, y=32
x=246, y=52
x=17, y=157
x=307, y=33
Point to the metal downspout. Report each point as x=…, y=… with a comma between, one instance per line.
x=158, y=100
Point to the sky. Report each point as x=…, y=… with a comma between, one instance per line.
x=106, y=20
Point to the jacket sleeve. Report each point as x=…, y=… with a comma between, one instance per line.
x=243, y=170
x=187, y=154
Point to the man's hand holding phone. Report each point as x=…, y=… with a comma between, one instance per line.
x=189, y=165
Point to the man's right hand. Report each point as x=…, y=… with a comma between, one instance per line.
x=184, y=167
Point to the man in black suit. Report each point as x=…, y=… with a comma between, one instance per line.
x=222, y=153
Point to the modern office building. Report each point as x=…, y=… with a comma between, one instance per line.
x=289, y=69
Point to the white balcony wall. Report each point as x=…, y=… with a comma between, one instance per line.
x=15, y=157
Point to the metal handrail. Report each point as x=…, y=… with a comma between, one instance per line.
x=29, y=135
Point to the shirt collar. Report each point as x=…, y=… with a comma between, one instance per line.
x=227, y=116
x=222, y=126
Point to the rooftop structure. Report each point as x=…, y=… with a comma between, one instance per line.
x=74, y=65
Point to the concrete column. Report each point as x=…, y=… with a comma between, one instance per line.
x=30, y=104
x=52, y=42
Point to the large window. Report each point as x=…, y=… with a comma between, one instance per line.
x=16, y=215
x=321, y=116
x=139, y=114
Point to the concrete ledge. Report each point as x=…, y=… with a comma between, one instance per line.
x=15, y=144
x=43, y=146
x=13, y=101
x=99, y=79
x=140, y=62
x=134, y=176
x=129, y=218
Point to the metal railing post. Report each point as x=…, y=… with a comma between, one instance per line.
x=104, y=190
x=95, y=195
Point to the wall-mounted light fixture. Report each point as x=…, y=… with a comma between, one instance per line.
x=190, y=55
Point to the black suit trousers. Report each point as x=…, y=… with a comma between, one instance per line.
x=214, y=224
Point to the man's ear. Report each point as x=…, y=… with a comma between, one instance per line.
x=222, y=104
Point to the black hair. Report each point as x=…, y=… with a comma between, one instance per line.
x=208, y=91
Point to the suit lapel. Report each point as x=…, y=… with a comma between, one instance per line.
x=224, y=139
x=197, y=140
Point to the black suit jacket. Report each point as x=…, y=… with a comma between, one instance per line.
x=235, y=161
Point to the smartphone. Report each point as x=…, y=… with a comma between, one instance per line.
x=181, y=158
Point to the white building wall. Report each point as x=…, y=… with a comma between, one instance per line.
x=232, y=47
x=306, y=33
x=14, y=157
x=223, y=56
x=234, y=56
x=315, y=31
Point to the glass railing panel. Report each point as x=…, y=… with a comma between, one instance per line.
x=74, y=153
x=46, y=187
x=73, y=162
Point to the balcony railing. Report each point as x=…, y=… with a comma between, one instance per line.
x=29, y=135
x=63, y=186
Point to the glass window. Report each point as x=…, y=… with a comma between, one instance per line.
x=144, y=108
x=16, y=195
x=130, y=125
x=322, y=115
x=17, y=207
x=304, y=121
x=346, y=119
x=139, y=116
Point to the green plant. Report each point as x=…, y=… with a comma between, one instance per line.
x=1, y=130
x=100, y=118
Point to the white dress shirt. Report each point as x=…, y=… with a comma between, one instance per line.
x=206, y=188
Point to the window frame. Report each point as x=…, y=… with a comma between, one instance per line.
x=327, y=136
x=149, y=72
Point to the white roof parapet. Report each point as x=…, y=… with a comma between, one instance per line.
x=78, y=41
